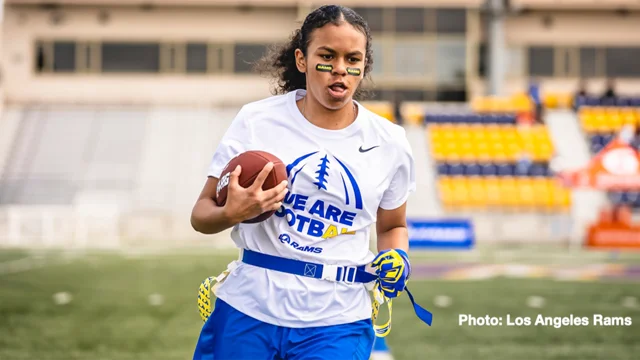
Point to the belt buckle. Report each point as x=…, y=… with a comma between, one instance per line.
x=346, y=274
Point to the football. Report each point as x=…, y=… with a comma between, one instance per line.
x=251, y=162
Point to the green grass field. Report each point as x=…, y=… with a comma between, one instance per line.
x=110, y=317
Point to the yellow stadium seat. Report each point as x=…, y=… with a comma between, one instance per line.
x=381, y=108
x=615, y=121
x=588, y=120
x=445, y=191
x=628, y=117
x=493, y=191
x=412, y=113
x=526, y=193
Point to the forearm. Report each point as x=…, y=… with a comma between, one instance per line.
x=209, y=218
x=394, y=238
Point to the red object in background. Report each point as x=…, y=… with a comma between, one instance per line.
x=613, y=236
x=616, y=167
x=525, y=118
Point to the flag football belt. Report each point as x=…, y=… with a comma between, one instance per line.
x=336, y=273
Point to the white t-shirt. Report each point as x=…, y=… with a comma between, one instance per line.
x=337, y=181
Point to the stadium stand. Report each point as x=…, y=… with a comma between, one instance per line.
x=601, y=120
x=486, y=160
x=59, y=151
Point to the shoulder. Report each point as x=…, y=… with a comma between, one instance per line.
x=276, y=103
x=389, y=134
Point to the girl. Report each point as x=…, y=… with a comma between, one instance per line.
x=300, y=288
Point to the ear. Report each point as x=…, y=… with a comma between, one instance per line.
x=301, y=62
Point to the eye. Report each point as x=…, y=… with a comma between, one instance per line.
x=354, y=59
x=327, y=57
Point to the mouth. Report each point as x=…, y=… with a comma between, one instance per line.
x=338, y=89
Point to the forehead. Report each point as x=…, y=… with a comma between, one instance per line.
x=342, y=38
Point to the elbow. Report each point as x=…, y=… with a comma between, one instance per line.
x=200, y=226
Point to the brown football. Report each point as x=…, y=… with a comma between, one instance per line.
x=251, y=163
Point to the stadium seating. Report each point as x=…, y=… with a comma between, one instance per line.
x=607, y=120
x=601, y=120
x=501, y=105
x=515, y=193
x=487, y=162
x=489, y=143
x=382, y=108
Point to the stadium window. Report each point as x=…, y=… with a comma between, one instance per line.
x=64, y=56
x=451, y=61
x=196, y=58
x=410, y=95
x=246, y=55
x=622, y=62
x=130, y=57
x=587, y=62
x=373, y=16
x=541, y=61
x=483, y=67
x=451, y=95
x=409, y=20
x=451, y=21
x=514, y=61
x=411, y=58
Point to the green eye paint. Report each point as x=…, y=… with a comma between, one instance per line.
x=324, y=68
x=354, y=71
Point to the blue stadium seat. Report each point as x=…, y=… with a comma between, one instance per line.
x=430, y=119
x=474, y=119
x=581, y=101
x=636, y=202
x=472, y=170
x=443, y=169
x=596, y=148
x=505, y=170
x=631, y=197
x=592, y=101
x=522, y=169
x=456, y=169
x=623, y=101
x=597, y=140
x=488, y=170
x=489, y=119
x=607, y=139
x=539, y=170
x=615, y=196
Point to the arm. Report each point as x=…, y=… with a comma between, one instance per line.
x=391, y=228
x=207, y=217
x=242, y=203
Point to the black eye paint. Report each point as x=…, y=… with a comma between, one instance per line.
x=324, y=68
x=353, y=71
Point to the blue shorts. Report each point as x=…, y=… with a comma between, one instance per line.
x=229, y=334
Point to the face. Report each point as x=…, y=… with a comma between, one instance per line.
x=342, y=47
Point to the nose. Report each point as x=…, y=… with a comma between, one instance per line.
x=339, y=68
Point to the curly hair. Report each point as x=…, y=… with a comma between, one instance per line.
x=280, y=61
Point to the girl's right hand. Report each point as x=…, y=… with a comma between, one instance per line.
x=246, y=203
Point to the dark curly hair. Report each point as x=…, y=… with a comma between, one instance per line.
x=280, y=61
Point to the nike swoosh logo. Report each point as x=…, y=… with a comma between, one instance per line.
x=365, y=150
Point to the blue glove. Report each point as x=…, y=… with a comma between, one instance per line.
x=393, y=270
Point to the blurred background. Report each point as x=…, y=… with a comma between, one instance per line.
x=522, y=117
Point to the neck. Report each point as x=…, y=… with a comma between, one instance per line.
x=325, y=118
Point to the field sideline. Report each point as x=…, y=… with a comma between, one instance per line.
x=120, y=307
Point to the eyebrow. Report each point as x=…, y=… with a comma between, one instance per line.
x=326, y=48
